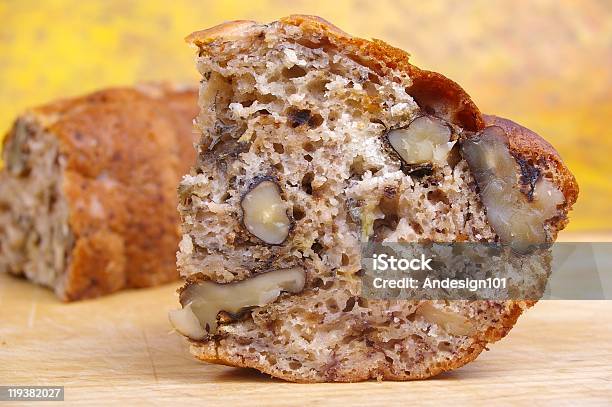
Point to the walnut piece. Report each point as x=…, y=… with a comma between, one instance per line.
x=425, y=140
x=451, y=322
x=203, y=301
x=265, y=213
x=515, y=218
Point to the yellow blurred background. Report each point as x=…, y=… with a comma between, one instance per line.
x=544, y=63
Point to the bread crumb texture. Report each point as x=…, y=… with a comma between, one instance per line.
x=301, y=104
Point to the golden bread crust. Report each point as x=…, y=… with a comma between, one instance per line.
x=218, y=352
x=432, y=91
x=227, y=30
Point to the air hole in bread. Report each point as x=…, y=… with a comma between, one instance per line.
x=416, y=226
x=307, y=182
x=350, y=304
x=332, y=305
x=359, y=167
x=315, y=121
x=370, y=89
x=389, y=207
x=317, y=87
x=438, y=195
x=445, y=346
x=345, y=260
x=298, y=117
x=309, y=146
x=295, y=365
x=298, y=212
x=278, y=148
x=294, y=72
x=318, y=248
x=362, y=302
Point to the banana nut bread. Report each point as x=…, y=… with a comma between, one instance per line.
x=313, y=142
x=88, y=189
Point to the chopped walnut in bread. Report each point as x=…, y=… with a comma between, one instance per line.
x=362, y=146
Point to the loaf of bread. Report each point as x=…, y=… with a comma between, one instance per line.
x=314, y=142
x=88, y=190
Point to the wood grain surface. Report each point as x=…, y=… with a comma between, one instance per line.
x=120, y=349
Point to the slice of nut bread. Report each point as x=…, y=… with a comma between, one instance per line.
x=88, y=190
x=313, y=142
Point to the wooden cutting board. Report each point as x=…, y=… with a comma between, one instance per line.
x=121, y=349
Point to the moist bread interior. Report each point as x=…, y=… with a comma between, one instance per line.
x=286, y=102
x=33, y=210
